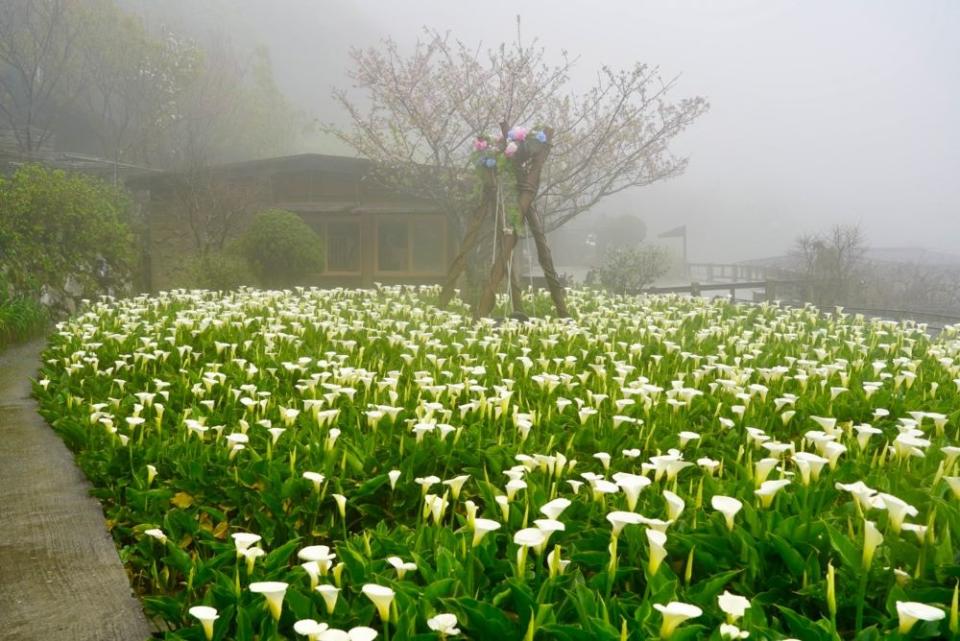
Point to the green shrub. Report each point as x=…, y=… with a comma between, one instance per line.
x=20, y=319
x=630, y=269
x=221, y=271
x=281, y=248
x=54, y=224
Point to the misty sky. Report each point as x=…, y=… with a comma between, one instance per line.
x=822, y=112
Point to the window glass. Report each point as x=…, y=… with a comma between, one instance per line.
x=343, y=246
x=392, y=246
x=429, y=245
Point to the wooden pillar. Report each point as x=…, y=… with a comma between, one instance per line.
x=368, y=248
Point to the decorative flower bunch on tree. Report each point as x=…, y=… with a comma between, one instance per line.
x=499, y=152
x=498, y=156
x=510, y=165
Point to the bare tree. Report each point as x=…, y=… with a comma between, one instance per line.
x=213, y=207
x=420, y=111
x=37, y=40
x=133, y=81
x=830, y=261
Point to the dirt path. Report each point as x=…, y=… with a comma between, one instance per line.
x=60, y=576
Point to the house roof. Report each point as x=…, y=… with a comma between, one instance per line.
x=82, y=163
x=344, y=165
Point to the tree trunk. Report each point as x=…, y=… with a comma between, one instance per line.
x=469, y=243
x=488, y=297
x=545, y=259
x=516, y=287
x=528, y=184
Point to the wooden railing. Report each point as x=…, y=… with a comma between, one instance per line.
x=762, y=289
x=735, y=272
x=794, y=292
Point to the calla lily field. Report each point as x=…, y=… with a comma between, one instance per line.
x=359, y=464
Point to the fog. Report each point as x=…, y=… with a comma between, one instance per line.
x=821, y=112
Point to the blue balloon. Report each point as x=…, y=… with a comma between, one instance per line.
x=490, y=162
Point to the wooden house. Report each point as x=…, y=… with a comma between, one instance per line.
x=371, y=234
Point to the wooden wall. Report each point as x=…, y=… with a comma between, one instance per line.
x=373, y=235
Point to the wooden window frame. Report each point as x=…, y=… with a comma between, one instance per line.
x=407, y=219
x=324, y=224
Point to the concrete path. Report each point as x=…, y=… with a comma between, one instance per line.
x=60, y=576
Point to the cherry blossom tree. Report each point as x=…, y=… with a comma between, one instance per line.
x=416, y=113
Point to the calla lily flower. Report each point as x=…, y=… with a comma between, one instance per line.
x=206, y=616
x=481, y=527
x=733, y=605
x=329, y=594
x=729, y=631
x=320, y=554
x=157, y=534
x=310, y=629
x=530, y=537
x=444, y=624
x=632, y=485
x=315, y=478
x=243, y=540
x=555, y=508
x=620, y=519
x=897, y=509
x=393, y=475
x=675, y=613
x=381, y=596
x=341, y=501
x=362, y=633
x=954, y=483
x=728, y=506
x=658, y=550
x=809, y=466
x=401, y=566
x=768, y=491
x=456, y=484
x=871, y=539
x=675, y=505
x=909, y=612
x=273, y=592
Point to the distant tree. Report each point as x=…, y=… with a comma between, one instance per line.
x=232, y=110
x=420, y=111
x=830, y=262
x=626, y=270
x=213, y=208
x=146, y=96
x=133, y=81
x=37, y=46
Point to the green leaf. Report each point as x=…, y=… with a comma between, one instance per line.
x=482, y=620
x=278, y=558
x=848, y=552
x=791, y=558
x=802, y=627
